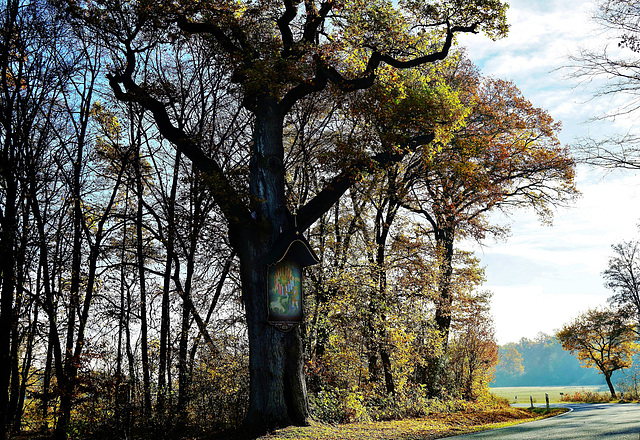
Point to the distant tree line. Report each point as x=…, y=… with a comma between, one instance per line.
x=540, y=362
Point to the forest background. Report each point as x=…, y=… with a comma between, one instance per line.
x=131, y=144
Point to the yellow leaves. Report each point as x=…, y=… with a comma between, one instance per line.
x=239, y=10
x=404, y=104
x=109, y=128
x=600, y=338
x=12, y=82
x=376, y=23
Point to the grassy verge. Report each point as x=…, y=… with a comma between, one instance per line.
x=424, y=428
x=556, y=393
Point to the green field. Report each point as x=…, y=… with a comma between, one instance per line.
x=537, y=393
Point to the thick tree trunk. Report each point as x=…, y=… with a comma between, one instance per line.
x=388, y=374
x=278, y=395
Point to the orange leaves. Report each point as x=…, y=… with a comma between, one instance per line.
x=600, y=338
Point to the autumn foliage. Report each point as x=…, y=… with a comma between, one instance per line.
x=154, y=152
x=602, y=339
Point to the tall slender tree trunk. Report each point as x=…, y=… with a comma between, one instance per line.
x=166, y=290
x=183, y=367
x=8, y=215
x=54, y=348
x=144, y=327
x=131, y=360
x=26, y=368
x=18, y=309
x=46, y=384
x=119, y=404
x=67, y=381
x=377, y=331
x=7, y=272
x=382, y=233
x=443, y=304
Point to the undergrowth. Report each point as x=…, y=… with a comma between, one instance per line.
x=436, y=425
x=334, y=405
x=587, y=397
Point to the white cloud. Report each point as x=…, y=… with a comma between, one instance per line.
x=544, y=276
x=535, y=55
x=558, y=269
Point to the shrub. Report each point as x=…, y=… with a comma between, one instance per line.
x=334, y=405
x=587, y=397
x=492, y=401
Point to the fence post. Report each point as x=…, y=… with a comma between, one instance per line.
x=531, y=399
x=546, y=397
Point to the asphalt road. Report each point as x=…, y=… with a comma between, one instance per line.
x=611, y=421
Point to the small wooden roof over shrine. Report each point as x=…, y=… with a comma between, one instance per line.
x=292, y=245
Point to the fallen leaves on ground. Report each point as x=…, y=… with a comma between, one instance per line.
x=424, y=428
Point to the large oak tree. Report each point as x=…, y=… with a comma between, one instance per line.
x=277, y=53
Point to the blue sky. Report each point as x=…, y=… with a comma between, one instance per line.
x=544, y=276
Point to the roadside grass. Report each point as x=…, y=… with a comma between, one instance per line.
x=537, y=393
x=434, y=426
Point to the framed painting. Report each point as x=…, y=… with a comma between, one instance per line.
x=285, y=292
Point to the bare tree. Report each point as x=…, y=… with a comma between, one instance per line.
x=616, y=71
x=623, y=277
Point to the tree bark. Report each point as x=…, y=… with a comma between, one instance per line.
x=444, y=244
x=146, y=374
x=166, y=290
x=607, y=377
x=7, y=316
x=13, y=413
x=8, y=217
x=443, y=303
x=26, y=368
x=278, y=395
